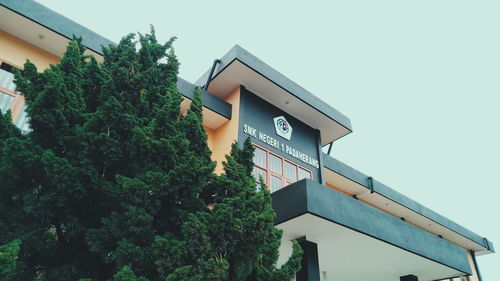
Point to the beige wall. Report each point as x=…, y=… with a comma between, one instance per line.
x=210, y=138
x=220, y=139
x=16, y=52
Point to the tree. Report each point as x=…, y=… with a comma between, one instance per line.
x=8, y=259
x=120, y=184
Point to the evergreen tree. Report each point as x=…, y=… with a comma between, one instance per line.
x=8, y=259
x=114, y=183
x=126, y=274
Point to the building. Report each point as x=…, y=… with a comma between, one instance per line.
x=351, y=226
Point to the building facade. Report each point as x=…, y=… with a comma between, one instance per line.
x=351, y=226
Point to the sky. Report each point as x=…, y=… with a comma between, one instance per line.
x=418, y=79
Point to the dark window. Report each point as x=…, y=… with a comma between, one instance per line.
x=7, y=67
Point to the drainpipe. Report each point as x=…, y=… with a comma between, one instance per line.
x=370, y=184
x=330, y=148
x=476, y=266
x=209, y=79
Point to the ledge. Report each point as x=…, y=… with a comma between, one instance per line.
x=240, y=67
x=56, y=22
x=387, y=192
x=210, y=101
x=308, y=197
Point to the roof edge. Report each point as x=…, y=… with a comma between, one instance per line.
x=210, y=101
x=57, y=23
x=245, y=57
x=389, y=193
x=307, y=196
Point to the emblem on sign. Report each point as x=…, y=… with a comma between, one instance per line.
x=283, y=128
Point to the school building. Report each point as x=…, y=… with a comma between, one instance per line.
x=352, y=227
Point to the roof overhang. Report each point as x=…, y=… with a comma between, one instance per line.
x=41, y=27
x=375, y=193
x=215, y=110
x=50, y=31
x=346, y=230
x=239, y=67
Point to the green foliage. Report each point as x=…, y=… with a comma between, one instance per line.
x=8, y=259
x=114, y=183
x=7, y=129
x=127, y=274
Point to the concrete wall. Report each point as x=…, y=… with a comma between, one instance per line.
x=259, y=114
x=220, y=139
x=16, y=52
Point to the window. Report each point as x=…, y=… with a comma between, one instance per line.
x=6, y=76
x=23, y=121
x=275, y=164
x=5, y=102
x=9, y=98
x=276, y=171
x=304, y=174
x=7, y=87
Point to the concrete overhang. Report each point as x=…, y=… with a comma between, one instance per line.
x=43, y=28
x=36, y=24
x=215, y=110
x=359, y=242
x=239, y=67
x=375, y=193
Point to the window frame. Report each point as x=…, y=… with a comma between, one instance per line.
x=20, y=67
x=10, y=94
x=285, y=181
x=18, y=101
x=16, y=104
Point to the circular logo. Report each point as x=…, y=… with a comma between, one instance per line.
x=283, y=126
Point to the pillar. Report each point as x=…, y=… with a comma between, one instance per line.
x=309, y=270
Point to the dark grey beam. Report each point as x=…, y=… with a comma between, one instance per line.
x=309, y=270
x=308, y=197
x=210, y=101
x=476, y=267
x=375, y=186
x=58, y=23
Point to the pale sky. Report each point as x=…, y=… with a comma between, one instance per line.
x=418, y=79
